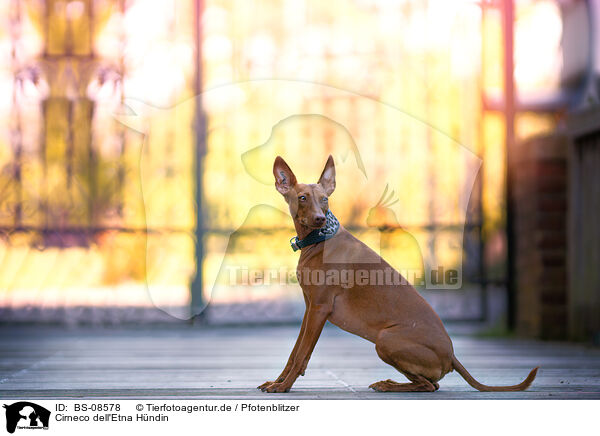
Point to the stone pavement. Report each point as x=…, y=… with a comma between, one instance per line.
x=207, y=362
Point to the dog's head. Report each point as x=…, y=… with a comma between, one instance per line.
x=308, y=202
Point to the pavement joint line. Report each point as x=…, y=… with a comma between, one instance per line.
x=340, y=381
x=34, y=365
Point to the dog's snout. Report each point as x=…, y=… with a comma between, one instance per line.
x=320, y=220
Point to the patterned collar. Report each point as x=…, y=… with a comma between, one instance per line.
x=318, y=235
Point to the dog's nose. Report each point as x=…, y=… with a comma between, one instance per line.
x=320, y=220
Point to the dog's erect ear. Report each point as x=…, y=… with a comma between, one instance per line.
x=285, y=179
x=327, y=180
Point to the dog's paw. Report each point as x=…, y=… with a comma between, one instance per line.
x=268, y=383
x=264, y=385
x=276, y=388
x=382, y=386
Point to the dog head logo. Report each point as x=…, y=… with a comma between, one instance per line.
x=26, y=415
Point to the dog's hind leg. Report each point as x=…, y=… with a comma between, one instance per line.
x=392, y=382
x=417, y=362
x=421, y=385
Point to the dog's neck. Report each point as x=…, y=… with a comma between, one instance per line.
x=301, y=230
x=327, y=231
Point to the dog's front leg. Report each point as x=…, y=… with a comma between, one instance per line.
x=315, y=319
x=290, y=361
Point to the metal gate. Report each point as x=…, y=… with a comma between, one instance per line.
x=101, y=213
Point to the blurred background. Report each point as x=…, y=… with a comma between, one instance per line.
x=137, y=139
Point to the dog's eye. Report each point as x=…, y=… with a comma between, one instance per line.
x=302, y=198
x=324, y=199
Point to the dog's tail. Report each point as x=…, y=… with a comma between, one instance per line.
x=483, y=388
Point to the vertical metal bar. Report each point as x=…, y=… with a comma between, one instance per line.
x=46, y=27
x=44, y=133
x=197, y=298
x=70, y=148
x=431, y=170
x=509, y=113
x=92, y=172
x=91, y=17
x=481, y=236
x=481, y=214
x=121, y=129
x=16, y=124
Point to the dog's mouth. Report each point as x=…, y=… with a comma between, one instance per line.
x=312, y=225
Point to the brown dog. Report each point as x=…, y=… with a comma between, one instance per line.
x=407, y=333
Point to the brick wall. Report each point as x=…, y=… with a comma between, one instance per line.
x=584, y=225
x=540, y=193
